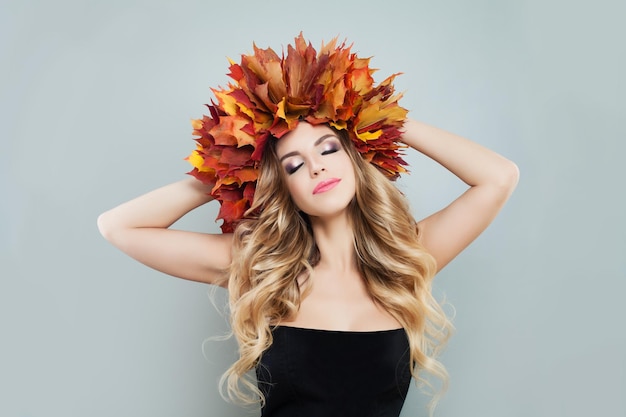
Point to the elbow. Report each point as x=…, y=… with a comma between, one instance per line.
x=513, y=174
x=509, y=177
x=106, y=226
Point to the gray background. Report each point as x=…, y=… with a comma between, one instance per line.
x=96, y=99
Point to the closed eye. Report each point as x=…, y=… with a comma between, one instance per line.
x=294, y=158
x=293, y=168
x=331, y=149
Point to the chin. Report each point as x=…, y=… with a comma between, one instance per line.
x=328, y=211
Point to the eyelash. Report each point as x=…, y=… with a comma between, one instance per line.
x=332, y=149
x=294, y=169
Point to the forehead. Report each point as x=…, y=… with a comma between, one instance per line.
x=305, y=134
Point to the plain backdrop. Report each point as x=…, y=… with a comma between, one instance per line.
x=95, y=108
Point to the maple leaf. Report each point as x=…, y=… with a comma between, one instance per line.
x=268, y=97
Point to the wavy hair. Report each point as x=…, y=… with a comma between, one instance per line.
x=263, y=279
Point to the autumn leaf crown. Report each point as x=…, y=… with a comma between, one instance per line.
x=269, y=97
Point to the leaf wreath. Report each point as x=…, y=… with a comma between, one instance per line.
x=270, y=95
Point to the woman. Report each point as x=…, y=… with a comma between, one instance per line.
x=329, y=275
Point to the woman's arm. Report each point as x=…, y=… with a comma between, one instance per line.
x=491, y=177
x=140, y=228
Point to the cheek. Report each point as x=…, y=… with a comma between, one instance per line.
x=350, y=171
x=295, y=192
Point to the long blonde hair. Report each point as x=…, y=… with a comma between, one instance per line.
x=275, y=245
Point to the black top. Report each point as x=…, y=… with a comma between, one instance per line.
x=314, y=373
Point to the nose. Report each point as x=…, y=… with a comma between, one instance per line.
x=316, y=168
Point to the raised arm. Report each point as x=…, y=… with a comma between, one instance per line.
x=140, y=228
x=491, y=179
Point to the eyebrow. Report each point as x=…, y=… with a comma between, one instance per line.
x=317, y=142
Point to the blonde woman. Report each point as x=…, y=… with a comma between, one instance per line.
x=329, y=274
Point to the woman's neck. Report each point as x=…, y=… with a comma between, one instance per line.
x=335, y=240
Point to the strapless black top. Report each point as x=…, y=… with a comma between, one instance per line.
x=324, y=373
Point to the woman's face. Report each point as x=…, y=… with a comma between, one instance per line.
x=318, y=171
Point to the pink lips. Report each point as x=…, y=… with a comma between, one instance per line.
x=326, y=185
